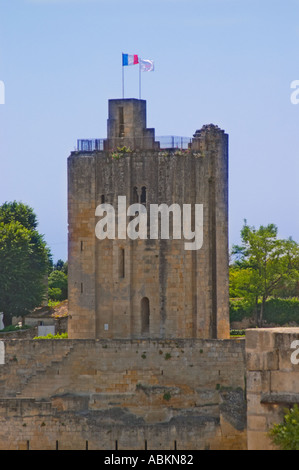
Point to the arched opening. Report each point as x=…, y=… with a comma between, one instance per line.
x=143, y=195
x=135, y=195
x=145, y=316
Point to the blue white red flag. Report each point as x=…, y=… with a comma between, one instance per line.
x=130, y=59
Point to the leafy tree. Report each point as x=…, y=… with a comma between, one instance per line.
x=18, y=212
x=286, y=435
x=241, y=282
x=263, y=264
x=24, y=260
x=61, y=265
x=57, y=282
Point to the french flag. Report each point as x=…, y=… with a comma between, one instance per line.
x=130, y=59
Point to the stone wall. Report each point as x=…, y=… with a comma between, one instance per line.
x=272, y=380
x=129, y=394
x=29, y=333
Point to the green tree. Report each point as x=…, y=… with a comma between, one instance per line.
x=263, y=263
x=57, y=282
x=18, y=212
x=61, y=265
x=286, y=434
x=24, y=260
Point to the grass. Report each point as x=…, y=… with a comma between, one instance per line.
x=14, y=328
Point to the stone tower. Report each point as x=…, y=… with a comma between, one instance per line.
x=148, y=287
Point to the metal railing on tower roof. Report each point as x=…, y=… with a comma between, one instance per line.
x=166, y=142
x=173, y=142
x=90, y=145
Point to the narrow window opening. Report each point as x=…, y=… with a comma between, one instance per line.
x=103, y=199
x=116, y=445
x=171, y=219
x=145, y=445
x=86, y=445
x=81, y=246
x=121, y=263
x=145, y=316
x=143, y=195
x=57, y=446
x=135, y=195
x=81, y=287
x=175, y=447
x=121, y=122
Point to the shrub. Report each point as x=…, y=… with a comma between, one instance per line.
x=50, y=336
x=282, y=311
x=237, y=332
x=121, y=151
x=53, y=303
x=240, y=309
x=286, y=435
x=277, y=310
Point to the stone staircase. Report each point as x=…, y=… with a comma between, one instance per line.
x=29, y=377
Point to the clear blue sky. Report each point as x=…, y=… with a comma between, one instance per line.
x=227, y=62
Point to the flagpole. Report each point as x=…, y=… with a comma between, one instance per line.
x=123, y=83
x=123, y=79
x=139, y=81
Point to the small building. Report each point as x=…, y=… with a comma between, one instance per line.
x=49, y=319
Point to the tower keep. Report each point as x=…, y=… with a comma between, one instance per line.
x=149, y=287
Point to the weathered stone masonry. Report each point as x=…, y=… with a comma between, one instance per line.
x=272, y=380
x=133, y=394
x=148, y=363
x=187, y=394
x=186, y=292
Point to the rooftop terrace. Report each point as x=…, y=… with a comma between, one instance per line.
x=166, y=142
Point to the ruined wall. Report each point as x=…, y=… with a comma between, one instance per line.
x=188, y=394
x=272, y=380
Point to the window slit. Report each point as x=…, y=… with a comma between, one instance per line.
x=121, y=263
